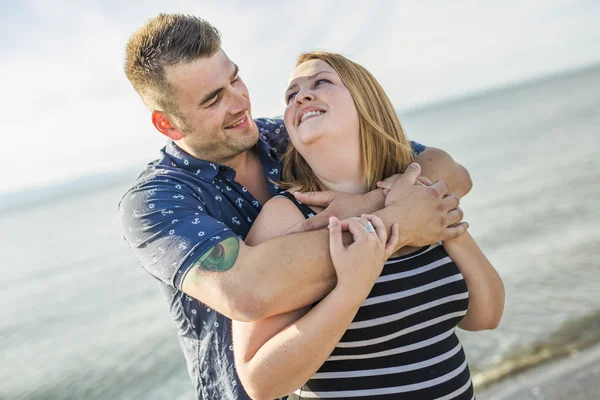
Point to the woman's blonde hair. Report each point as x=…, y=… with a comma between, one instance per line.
x=385, y=150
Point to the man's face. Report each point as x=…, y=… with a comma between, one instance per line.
x=215, y=106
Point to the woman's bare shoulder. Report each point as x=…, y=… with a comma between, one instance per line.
x=277, y=216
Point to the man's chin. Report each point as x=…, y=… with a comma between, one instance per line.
x=251, y=134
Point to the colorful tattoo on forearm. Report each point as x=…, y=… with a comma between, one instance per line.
x=221, y=257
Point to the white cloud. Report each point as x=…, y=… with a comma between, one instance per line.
x=69, y=110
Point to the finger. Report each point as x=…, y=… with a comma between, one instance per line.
x=322, y=199
x=392, y=178
x=344, y=224
x=455, y=216
x=378, y=225
x=335, y=236
x=442, y=187
x=385, y=184
x=425, y=181
x=411, y=174
x=357, y=229
x=386, y=192
x=455, y=231
x=394, y=239
x=317, y=222
x=450, y=202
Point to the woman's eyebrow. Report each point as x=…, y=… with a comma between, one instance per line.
x=295, y=85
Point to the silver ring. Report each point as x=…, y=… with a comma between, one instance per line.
x=369, y=227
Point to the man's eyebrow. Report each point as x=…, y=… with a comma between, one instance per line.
x=295, y=85
x=216, y=92
x=210, y=96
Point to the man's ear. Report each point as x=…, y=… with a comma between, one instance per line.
x=161, y=122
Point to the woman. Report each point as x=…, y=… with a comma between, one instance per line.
x=382, y=333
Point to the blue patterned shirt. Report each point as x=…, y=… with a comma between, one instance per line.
x=178, y=208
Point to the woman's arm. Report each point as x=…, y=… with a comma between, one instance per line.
x=486, y=290
x=279, y=354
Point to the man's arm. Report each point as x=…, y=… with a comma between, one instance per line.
x=287, y=273
x=263, y=280
x=438, y=165
x=435, y=165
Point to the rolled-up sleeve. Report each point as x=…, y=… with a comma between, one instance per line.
x=168, y=228
x=417, y=148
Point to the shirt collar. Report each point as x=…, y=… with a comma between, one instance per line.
x=208, y=170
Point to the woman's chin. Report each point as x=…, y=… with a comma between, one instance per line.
x=308, y=136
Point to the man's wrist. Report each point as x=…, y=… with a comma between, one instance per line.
x=392, y=214
x=376, y=199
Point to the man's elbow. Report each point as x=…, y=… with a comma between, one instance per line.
x=247, y=307
x=464, y=182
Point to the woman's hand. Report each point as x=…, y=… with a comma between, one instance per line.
x=359, y=265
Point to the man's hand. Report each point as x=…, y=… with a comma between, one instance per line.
x=388, y=183
x=425, y=214
x=337, y=204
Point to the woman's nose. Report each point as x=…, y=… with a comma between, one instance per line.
x=304, y=96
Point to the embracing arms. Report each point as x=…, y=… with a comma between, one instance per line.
x=260, y=281
x=277, y=355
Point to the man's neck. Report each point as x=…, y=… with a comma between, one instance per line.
x=249, y=173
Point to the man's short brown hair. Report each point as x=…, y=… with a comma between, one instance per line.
x=164, y=40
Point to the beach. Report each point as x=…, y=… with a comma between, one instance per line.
x=576, y=377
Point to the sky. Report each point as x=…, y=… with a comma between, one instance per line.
x=69, y=110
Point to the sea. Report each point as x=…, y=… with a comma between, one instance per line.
x=80, y=319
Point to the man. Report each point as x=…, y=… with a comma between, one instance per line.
x=188, y=212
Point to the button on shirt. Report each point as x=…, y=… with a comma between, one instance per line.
x=180, y=207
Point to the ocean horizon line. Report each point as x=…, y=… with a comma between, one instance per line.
x=70, y=185
x=468, y=96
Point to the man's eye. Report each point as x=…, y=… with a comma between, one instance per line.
x=214, y=103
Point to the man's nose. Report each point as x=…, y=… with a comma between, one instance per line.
x=242, y=102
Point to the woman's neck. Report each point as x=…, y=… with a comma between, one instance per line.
x=338, y=168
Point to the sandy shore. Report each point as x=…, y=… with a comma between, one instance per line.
x=573, y=378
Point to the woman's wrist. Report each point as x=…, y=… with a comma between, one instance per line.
x=349, y=296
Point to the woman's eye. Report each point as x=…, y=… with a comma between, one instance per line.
x=290, y=96
x=321, y=81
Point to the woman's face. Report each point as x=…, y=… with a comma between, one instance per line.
x=319, y=106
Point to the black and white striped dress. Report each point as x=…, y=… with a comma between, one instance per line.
x=402, y=343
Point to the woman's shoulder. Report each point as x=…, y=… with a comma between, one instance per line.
x=278, y=215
